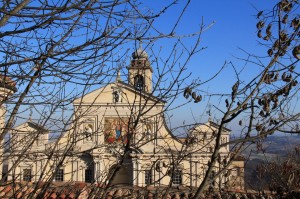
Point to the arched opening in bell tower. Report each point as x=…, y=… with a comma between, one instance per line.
x=139, y=82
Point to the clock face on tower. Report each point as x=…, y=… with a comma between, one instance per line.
x=139, y=82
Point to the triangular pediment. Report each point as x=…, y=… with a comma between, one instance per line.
x=128, y=95
x=28, y=127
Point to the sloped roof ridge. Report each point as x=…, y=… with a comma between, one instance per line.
x=129, y=87
x=217, y=126
x=33, y=125
x=141, y=92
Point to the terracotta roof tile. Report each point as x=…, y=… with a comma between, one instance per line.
x=72, y=195
x=118, y=193
x=71, y=191
x=1, y=188
x=62, y=196
x=239, y=158
x=19, y=195
x=53, y=195
x=6, y=190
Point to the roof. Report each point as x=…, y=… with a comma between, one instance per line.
x=182, y=139
x=36, y=126
x=208, y=126
x=55, y=190
x=82, y=190
x=33, y=125
x=126, y=86
x=239, y=158
x=139, y=53
x=217, y=126
x=143, y=93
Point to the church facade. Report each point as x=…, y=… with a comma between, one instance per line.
x=118, y=136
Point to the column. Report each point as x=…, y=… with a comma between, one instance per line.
x=196, y=173
x=77, y=171
x=72, y=169
x=97, y=169
x=139, y=174
x=134, y=172
x=191, y=172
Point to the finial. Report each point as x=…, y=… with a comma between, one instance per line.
x=30, y=113
x=209, y=113
x=209, y=119
x=139, y=53
x=118, y=78
x=140, y=44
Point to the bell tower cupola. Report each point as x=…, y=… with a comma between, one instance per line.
x=140, y=71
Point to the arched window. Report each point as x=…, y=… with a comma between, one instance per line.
x=139, y=82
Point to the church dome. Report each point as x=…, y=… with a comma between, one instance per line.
x=139, y=53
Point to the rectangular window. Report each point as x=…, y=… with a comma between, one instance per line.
x=148, y=177
x=212, y=177
x=59, y=176
x=238, y=171
x=177, y=177
x=88, y=175
x=27, y=175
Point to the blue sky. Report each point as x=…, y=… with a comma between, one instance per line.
x=234, y=28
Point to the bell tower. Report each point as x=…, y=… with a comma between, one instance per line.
x=7, y=88
x=140, y=71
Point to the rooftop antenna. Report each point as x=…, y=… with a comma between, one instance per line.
x=118, y=78
x=140, y=44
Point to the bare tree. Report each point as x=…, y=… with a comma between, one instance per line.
x=267, y=102
x=279, y=175
x=57, y=53
x=67, y=59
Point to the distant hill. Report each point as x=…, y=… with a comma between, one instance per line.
x=274, y=148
